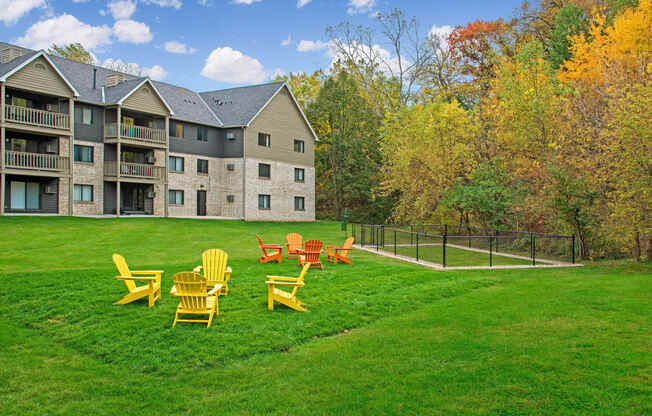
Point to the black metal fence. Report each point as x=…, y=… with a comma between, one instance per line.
x=454, y=247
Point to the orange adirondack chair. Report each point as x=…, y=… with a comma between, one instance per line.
x=311, y=253
x=294, y=245
x=277, y=254
x=333, y=252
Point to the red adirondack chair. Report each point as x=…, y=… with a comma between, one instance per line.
x=310, y=254
x=275, y=255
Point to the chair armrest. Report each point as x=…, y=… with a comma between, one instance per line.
x=289, y=279
x=215, y=289
x=343, y=249
x=272, y=246
x=274, y=283
x=173, y=291
x=141, y=272
x=228, y=270
x=197, y=269
x=144, y=278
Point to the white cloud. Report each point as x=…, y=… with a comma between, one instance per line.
x=63, y=30
x=441, y=32
x=156, y=72
x=165, y=3
x=302, y=3
x=310, y=45
x=122, y=9
x=177, y=47
x=246, y=1
x=13, y=10
x=360, y=6
x=132, y=32
x=278, y=72
x=204, y=3
x=228, y=65
x=80, y=1
x=287, y=42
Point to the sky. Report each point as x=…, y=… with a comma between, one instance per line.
x=213, y=44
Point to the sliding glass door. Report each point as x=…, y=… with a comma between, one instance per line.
x=25, y=196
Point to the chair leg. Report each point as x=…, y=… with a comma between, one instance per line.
x=270, y=297
x=176, y=317
x=210, y=318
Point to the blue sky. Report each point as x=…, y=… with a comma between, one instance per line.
x=212, y=44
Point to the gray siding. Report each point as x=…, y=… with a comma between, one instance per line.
x=232, y=148
x=189, y=143
x=93, y=132
x=110, y=152
x=109, y=197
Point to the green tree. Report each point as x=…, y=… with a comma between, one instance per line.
x=73, y=51
x=486, y=198
x=347, y=157
x=570, y=21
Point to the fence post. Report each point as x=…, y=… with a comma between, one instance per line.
x=491, y=260
x=444, y=252
x=376, y=237
x=417, y=246
x=411, y=236
x=534, y=250
x=573, y=249
x=394, y=242
x=496, y=234
x=445, y=229
x=383, y=235
x=362, y=235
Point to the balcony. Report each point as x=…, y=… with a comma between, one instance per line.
x=37, y=118
x=36, y=161
x=135, y=170
x=137, y=134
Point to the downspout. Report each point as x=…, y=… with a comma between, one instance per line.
x=71, y=155
x=244, y=174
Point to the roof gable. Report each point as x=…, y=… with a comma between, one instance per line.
x=29, y=59
x=238, y=106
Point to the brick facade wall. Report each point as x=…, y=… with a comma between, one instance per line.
x=282, y=189
x=90, y=174
x=218, y=183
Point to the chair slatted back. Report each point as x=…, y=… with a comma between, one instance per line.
x=347, y=244
x=261, y=245
x=191, y=290
x=301, y=276
x=295, y=241
x=312, y=250
x=214, y=264
x=123, y=269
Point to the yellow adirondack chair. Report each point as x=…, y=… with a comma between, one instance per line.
x=214, y=269
x=286, y=298
x=152, y=277
x=190, y=288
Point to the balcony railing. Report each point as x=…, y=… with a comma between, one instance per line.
x=39, y=118
x=38, y=161
x=140, y=133
x=135, y=170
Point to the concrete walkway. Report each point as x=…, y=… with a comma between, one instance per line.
x=436, y=266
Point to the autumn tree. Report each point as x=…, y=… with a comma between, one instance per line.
x=304, y=87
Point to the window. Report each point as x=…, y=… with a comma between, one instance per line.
x=83, y=153
x=202, y=134
x=83, y=193
x=264, y=140
x=230, y=136
x=176, y=164
x=230, y=198
x=264, y=201
x=299, y=146
x=87, y=115
x=299, y=175
x=175, y=197
x=176, y=130
x=299, y=203
x=264, y=170
x=202, y=166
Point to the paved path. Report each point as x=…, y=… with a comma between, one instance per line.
x=437, y=266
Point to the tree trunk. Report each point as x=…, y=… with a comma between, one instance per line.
x=637, y=246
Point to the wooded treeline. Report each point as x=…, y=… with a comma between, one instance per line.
x=540, y=122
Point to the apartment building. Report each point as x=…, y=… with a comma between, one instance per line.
x=78, y=139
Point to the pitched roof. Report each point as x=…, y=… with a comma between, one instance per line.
x=227, y=107
x=238, y=106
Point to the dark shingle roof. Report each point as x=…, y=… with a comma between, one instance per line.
x=237, y=106
x=230, y=107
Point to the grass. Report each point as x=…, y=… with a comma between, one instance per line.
x=381, y=337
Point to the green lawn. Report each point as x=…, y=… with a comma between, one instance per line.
x=381, y=337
